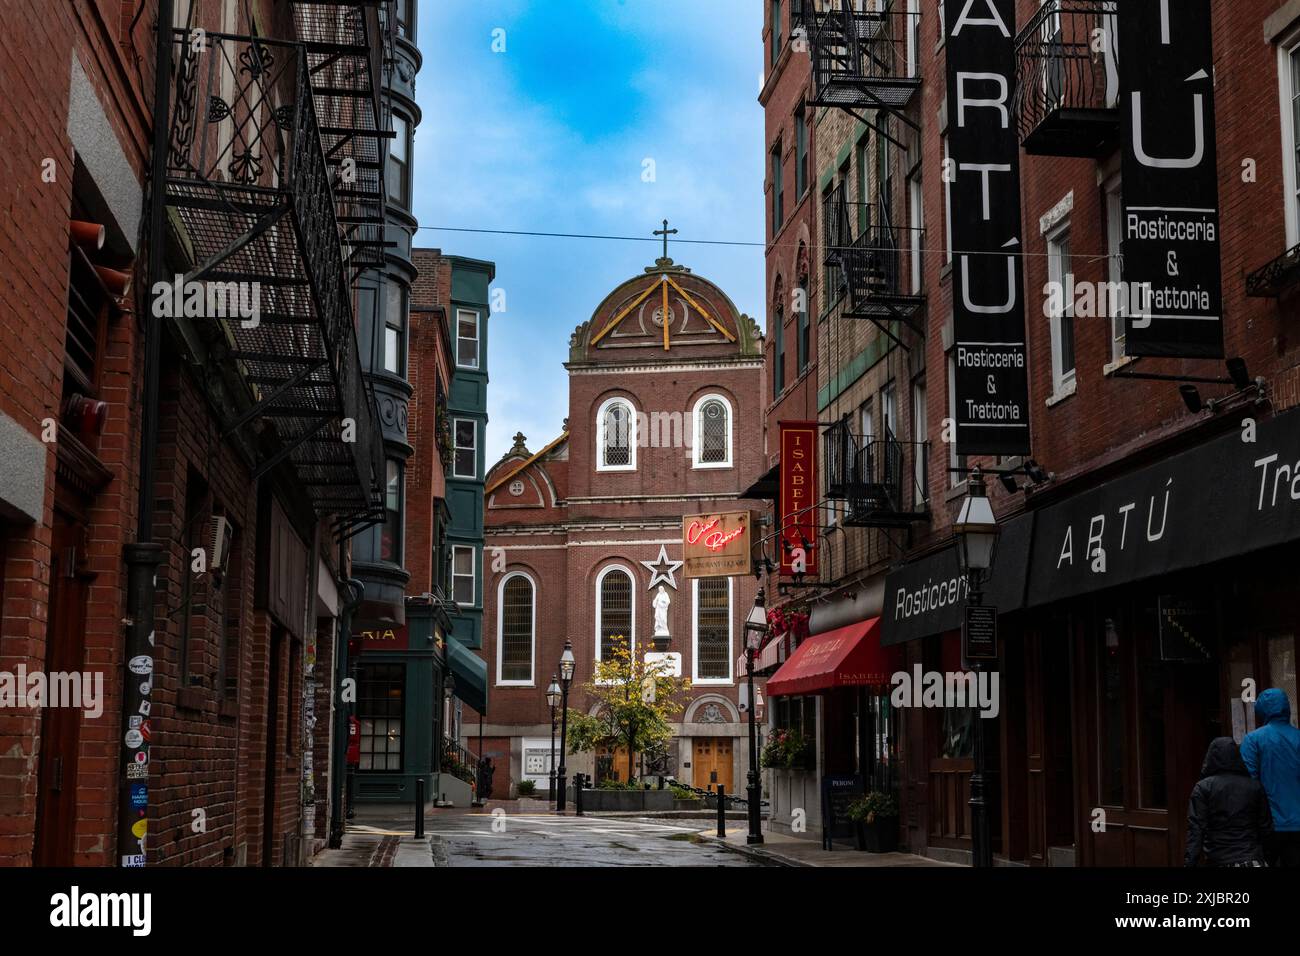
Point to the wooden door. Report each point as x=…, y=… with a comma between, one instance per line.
x=1048, y=757
x=65, y=650
x=712, y=763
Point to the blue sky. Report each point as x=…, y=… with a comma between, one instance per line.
x=551, y=135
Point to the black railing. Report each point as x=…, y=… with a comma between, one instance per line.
x=884, y=481
x=1271, y=280
x=860, y=56
x=1067, y=86
x=869, y=268
x=255, y=208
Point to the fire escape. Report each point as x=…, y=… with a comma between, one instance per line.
x=274, y=183
x=883, y=481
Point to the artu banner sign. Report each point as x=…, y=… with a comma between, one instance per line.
x=797, y=505
x=983, y=175
x=1171, y=193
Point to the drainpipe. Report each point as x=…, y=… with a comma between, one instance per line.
x=143, y=555
x=339, y=751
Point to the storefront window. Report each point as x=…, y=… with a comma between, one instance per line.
x=1281, y=667
x=379, y=708
x=1111, y=724
x=956, y=736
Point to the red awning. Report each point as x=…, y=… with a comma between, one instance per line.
x=847, y=657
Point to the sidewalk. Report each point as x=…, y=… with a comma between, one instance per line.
x=365, y=846
x=779, y=849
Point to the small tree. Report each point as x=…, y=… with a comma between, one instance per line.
x=637, y=702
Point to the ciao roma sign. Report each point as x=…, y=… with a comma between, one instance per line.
x=717, y=545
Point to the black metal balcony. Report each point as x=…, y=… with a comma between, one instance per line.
x=868, y=269
x=883, y=481
x=347, y=44
x=859, y=57
x=252, y=205
x=1271, y=280
x=1067, y=79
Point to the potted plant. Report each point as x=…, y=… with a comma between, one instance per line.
x=525, y=788
x=875, y=818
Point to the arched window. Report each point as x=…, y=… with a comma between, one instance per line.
x=616, y=436
x=712, y=628
x=516, y=629
x=712, y=432
x=615, y=612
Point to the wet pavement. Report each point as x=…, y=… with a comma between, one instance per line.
x=501, y=838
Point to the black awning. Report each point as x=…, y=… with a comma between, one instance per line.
x=766, y=487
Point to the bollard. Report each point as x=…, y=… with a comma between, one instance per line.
x=578, y=780
x=722, y=812
x=419, y=808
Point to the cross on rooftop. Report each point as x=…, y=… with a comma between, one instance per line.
x=665, y=232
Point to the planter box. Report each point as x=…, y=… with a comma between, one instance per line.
x=878, y=837
x=626, y=801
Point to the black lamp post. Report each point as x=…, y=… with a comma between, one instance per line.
x=755, y=628
x=976, y=531
x=566, y=677
x=552, y=698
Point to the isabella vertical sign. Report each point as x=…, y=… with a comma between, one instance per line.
x=1171, y=193
x=983, y=176
x=798, y=544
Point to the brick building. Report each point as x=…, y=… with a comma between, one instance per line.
x=180, y=483
x=1100, y=708
x=583, y=533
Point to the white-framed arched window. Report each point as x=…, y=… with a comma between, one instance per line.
x=711, y=430
x=516, y=629
x=615, y=609
x=711, y=631
x=616, y=436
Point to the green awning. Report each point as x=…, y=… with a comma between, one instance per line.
x=469, y=675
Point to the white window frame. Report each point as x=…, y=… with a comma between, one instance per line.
x=600, y=434
x=916, y=222
x=695, y=636
x=1290, y=135
x=955, y=478
x=913, y=35
x=456, y=447
x=477, y=339
x=697, y=431
x=600, y=609
x=919, y=426
x=889, y=411
x=1114, y=273
x=473, y=572
x=532, y=640
x=947, y=205
x=1063, y=383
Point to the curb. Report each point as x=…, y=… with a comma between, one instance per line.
x=767, y=857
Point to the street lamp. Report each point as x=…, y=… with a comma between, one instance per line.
x=566, y=677
x=755, y=628
x=553, y=698
x=976, y=531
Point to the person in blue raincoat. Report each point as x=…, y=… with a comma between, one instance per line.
x=1272, y=755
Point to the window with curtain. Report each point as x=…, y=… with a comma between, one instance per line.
x=517, y=630
x=614, y=611
x=713, y=629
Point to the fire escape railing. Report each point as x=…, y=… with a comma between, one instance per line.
x=252, y=199
x=869, y=268
x=859, y=57
x=884, y=481
x=348, y=46
x=1067, y=78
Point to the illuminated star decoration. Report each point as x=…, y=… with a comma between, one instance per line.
x=661, y=569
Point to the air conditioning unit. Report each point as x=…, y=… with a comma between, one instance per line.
x=220, y=534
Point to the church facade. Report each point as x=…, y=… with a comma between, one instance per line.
x=584, y=534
